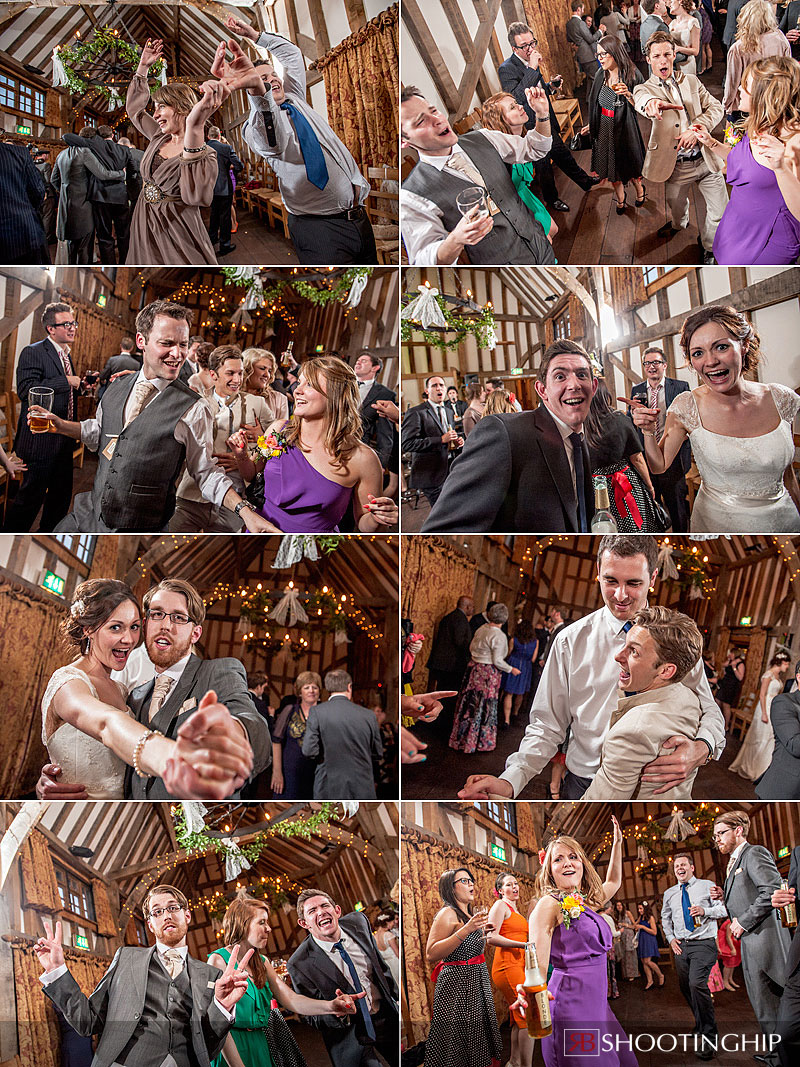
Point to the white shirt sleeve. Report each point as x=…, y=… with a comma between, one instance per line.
x=255, y=132
x=515, y=149
x=90, y=429
x=422, y=228
x=51, y=976
x=229, y=1015
x=195, y=431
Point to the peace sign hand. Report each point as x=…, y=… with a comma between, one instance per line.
x=49, y=949
x=230, y=986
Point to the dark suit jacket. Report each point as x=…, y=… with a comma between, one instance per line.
x=378, y=432
x=314, y=974
x=226, y=158
x=513, y=476
x=450, y=647
x=40, y=365
x=789, y=22
x=344, y=738
x=115, y=1007
x=672, y=386
x=122, y=361
x=793, y=962
x=227, y=677
x=515, y=78
x=23, y=192
x=748, y=891
x=115, y=157
x=422, y=437
x=781, y=780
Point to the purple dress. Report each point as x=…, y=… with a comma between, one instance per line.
x=584, y=1027
x=298, y=499
x=757, y=226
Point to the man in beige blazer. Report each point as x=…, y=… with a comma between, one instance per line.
x=675, y=102
x=661, y=647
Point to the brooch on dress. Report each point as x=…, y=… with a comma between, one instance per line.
x=153, y=193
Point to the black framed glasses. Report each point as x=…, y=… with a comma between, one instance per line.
x=171, y=909
x=177, y=618
x=528, y=46
x=71, y=324
x=653, y=363
x=464, y=881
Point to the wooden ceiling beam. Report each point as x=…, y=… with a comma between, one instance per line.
x=487, y=14
x=429, y=52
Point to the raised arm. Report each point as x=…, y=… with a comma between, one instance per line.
x=541, y=926
x=614, y=873
x=139, y=91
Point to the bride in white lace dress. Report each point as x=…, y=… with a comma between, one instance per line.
x=755, y=755
x=87, y=728
x=747, y=481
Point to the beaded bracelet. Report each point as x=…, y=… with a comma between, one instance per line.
x=137, y=752
x=200, y=149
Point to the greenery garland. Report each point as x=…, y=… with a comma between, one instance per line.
x=304, y=826
x=339, y=291
x=83, y=52
x=480, y=328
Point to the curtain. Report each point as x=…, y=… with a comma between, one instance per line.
x=424, y=859
x=435, y=575
x=99, y=336
x=526, y=831
x=38, y=876
x=106, y=927
x=27, y=622
x=362, y=88
x=37, y=1028
x=627, y=288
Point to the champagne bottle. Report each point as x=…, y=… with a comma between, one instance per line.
x=286, y=356
x=540, y=1022
x=603, y=521
x=789, y=911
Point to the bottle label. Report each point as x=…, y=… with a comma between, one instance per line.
x=543, y=1007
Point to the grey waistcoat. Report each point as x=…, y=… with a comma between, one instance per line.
x=135, y=489
x=516, y=236
x=166, y=1023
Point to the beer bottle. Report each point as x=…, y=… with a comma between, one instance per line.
x=540, y=1023
x=789, y=911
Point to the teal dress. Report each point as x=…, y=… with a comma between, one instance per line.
x=250, y=1028
x=521, y=175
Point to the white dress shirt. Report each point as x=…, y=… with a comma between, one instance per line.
x=734, y=858
x=421, y=219
x=705, y=926
x=360, y=962
x=565, y=432
x=193, y=430
x=578, y=688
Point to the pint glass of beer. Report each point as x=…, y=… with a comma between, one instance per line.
x=40, y=397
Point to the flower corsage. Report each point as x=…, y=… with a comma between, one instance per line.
x=572, y=904
x=272, y=444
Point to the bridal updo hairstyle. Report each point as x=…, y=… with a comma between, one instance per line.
x=731, y=320
x=235, y=926
x=591, y=887
x=94, y=602
x=337, y=380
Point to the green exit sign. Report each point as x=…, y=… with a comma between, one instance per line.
x=81, y=941
x=783, y=852
x=497, y=852
x=358, y=906
x=24, y=130
x=516, y=371
x=746, y=620
x=102, y=300
x=54, y=583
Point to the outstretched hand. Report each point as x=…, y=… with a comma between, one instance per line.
x=617, y=831
x=49, y=949
x=242, y=28
x=212, y=99
x=229, y=988
x=213, y=757
x=238, y=72
x=345, y=1003
x=152, y=51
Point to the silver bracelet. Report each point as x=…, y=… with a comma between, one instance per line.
x=137, y=752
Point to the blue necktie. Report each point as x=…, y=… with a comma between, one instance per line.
x=576, y=440
x=316, y=167
x=356, y=983
x=687, y=918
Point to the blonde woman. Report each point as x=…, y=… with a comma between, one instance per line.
x=757, y=37
x=260, y=368
x=318, y=466
x=569, y=932
x=178, y=168
x=246, y=924
x=498, y=403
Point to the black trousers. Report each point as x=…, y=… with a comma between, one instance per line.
x=47, y=484
x=670, y=489
x=321, y=239
x=112, y=223
x=789, y=1022
x=693, y=967
x=219, y=225
x=561, y=157
x=573, y=787
x=81, y=252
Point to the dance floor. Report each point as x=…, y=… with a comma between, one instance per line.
x=446, y=770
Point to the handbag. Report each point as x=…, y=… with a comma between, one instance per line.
x=632, y=504
x=254, y=492
x=281, y=1043
x=580, y=141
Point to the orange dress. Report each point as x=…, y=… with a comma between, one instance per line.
x=508, y=966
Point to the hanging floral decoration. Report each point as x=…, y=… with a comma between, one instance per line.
x=693, y=573
x=72, y=64
x=656, y=838
x=345, y=289
x=480, y=325
x=304, y=826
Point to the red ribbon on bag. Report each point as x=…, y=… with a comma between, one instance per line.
x=455, y=963
x=624, y=498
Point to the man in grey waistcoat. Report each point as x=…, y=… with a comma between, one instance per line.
x=750, y=881
x=345, y=739
x=146, y=428
x=156, y=1006
x=434, y=231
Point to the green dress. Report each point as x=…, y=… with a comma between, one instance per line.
x=250, y=1028
x=521, y=174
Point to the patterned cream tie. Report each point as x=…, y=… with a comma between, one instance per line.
x=655, y=397
x=160, y=691
x=173, y=961
x=462, y=164
x=142, y=393
x=67, y=364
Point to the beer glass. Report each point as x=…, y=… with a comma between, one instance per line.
x=40, y=397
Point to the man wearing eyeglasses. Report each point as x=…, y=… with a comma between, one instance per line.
x=659, y=391
x=47, y=484
x=520, y=72
x=155, y=1006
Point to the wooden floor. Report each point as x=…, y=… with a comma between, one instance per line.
x=592, y=232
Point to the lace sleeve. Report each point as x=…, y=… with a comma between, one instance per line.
x=786, y=401
x=50, y=720
x=684, y=408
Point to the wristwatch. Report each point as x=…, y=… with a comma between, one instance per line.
x=241, y=505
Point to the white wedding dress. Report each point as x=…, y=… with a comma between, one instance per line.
x=742, y=488
x=80, y=757
x=684, y=37
x=755, y=755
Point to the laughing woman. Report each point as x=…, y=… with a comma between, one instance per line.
x=747, y=474
x=315, y=466
x=178, y=169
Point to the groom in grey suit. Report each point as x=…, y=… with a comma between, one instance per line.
x=154, y=1007
x=750, y=881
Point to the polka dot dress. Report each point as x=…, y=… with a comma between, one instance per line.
x=603, y=159
x=464, y=1030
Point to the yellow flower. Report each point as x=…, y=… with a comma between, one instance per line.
x=570, y=902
